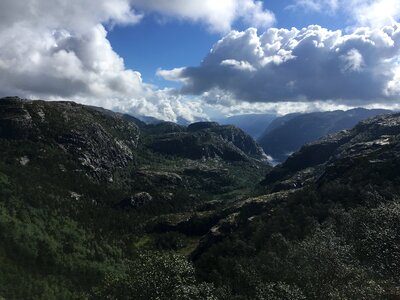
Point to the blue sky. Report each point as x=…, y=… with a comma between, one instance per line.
x=154, y=44
x=203, y=59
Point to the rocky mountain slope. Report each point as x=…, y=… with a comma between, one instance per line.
x=206, y=140
x=97, y=205
x=372, y=142
x=324, y=227
x=100, y=144
x=78, y=185
x=288, y=133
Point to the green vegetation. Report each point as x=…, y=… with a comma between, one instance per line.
x=317, y=247
x=63, y=168
x=89, y=209
x=156, y=276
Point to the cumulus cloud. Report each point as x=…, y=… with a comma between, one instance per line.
x=78, y=15
x=279, y=108
x=311, y=64
x=73, y=15
x=372, y=13
x=59, y=50
x=353, y=61
x=218, y=15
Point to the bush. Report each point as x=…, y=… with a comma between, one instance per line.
x=155, y=276
x=171, y=241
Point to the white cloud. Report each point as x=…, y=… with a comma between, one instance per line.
x=218, y=15
x=238, y=65
x=329, y=6
x=311, y=64
x=353, y=61
x=171, y=75
x=215, y=110
x=372, y=13
x=393, y=86
x=74, y=15
x=59, y=50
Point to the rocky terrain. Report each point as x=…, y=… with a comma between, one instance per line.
x=99, y=205
x=100, y=144
x=286, y=135
x=372, y=142
x=321, y=194
x=205, y=140
x=114, y=148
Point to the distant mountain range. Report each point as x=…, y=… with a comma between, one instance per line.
x=99, y=205
x=289, y=133
x=253, y=124
x=281, y=136
x=152, y=120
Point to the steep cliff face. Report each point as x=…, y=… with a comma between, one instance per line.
x=207, y=140
x=336, y=200
x=99, y=143
x=107, y=147
x=373, y=142
x=287, y=134
x=368, y=154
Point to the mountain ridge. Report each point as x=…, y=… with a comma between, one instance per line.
x=287, y=134
x=88, y=208
x=253, y=124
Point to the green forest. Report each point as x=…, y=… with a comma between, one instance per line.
x=97, y=205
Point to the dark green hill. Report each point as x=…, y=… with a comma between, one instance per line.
x=79, y=184
x=327, y=226
x=97, y=205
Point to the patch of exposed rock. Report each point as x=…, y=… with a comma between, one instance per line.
x=135, y=201
x=99, y=143
x=206, y=140
x=372, y=142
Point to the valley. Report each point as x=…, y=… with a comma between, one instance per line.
x=99, y=205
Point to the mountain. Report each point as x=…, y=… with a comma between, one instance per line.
x=278, y=122
x=97, y=205
x=374, y=141
x=149, y=120
x=104, y=146
x=325, y=225
x=253, y=124
x=78, y=185
x=207, y=140
x=288, y=133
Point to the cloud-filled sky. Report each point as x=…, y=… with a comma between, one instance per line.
x=203, y=58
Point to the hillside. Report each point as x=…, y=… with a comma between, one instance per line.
x=78, y=184
x=97, y=205
x=326, y=226
x=287, y=134
x=253, y=124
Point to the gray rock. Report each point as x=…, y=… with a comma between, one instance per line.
x=135, y=201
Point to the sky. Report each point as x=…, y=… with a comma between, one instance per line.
x=203, y=59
